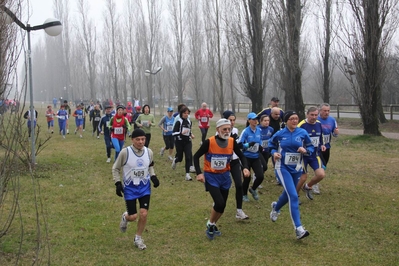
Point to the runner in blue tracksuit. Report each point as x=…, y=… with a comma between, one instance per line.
x=314, y=129
x=103, y=128
x=287, y=147
x=252, y=143
x=266, y=133
x=166, y=124
x=330, y=128
x=62, y=116
x=78, y=114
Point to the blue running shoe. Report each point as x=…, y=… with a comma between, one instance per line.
x=210, y=231
x=254, y=193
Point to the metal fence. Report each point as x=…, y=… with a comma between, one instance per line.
x=391, y=110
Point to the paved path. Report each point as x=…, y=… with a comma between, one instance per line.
x=343, y=131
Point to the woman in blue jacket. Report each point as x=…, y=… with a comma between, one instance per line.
x=287, y=147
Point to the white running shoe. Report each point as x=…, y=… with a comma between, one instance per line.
x=162, y=151
x=140, y=244
x=108, y=160
x=192, y=169
x=188, y=177
x=123, y=223
x=274, y=214
x=174, y=164
x=301, y=232
x=316, y=189
x=241, y=215
x=170, y=158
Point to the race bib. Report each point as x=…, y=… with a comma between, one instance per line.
x=218, y=163
x=80, y=116
x=118, y=130
x=138, y=175
x=145, y=123
x=204, y=119
x=62, y=117
x=185, y=131
x=254, y=148
x=292, y=158
x=315, y=141
x=169, y=128
x=265, y=143
x=107, y=124
x=97, y=118
x=326, y=138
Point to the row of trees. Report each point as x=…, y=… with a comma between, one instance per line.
x=224, y=51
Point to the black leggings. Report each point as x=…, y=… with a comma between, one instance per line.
x=325, y=156
x=184, y=146
x=147, y=140
x=204, y=131
x=235, y=170
x=256, y=166
x=219, y=197
x=95, y=127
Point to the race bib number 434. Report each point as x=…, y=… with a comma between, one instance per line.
x=218, y=163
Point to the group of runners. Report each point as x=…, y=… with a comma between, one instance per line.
x=292, y=146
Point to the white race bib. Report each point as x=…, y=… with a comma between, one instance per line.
x=185, y=131
x=315, y=141
x=118, y=130
x=265, y=143
x=204, y=119
x=326, y=138
x=80, y=117
x=292, y=158
x=254, y=148
x=97, y=118
x=138, y=175
x=169, y=128
x=145, y=123
x=218, y=163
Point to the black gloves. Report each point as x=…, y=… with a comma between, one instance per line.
x=155, y=180
x=252, y=143
x=119, y=188
x=235, y=136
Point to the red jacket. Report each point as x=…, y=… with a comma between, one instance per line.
x=203, y=117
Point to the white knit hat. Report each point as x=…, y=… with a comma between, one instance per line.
x=222, y=122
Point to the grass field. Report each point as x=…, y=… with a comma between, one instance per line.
x=353, y=222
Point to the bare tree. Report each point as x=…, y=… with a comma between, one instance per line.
x=111, y=25
x=86, y=32
x=195, y=44
x=325, y=34
x=212, y=16
x=150, y=26
x=368, y=32
x=177, y=12
x=287, y=21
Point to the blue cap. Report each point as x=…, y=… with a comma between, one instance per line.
x=251, y=115
x=170, y=109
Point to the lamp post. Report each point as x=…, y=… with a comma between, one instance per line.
x=52, y=27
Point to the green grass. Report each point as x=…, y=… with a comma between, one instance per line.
x=353, y=222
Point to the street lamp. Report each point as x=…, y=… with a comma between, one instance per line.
x=52, y=27
x=149, y=72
